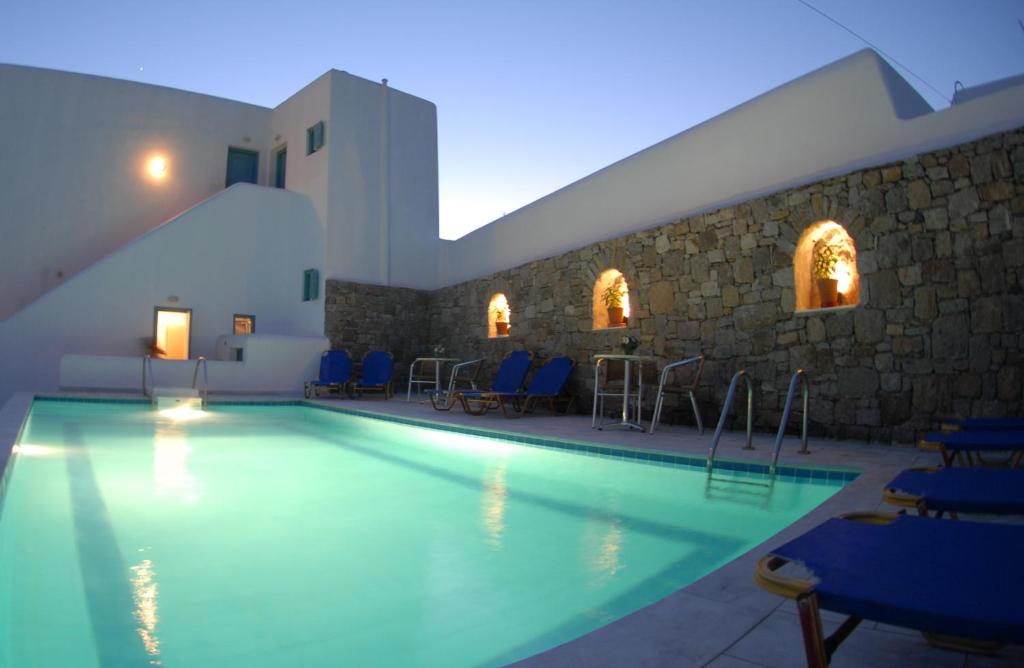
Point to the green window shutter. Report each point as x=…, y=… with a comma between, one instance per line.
x=310, y=285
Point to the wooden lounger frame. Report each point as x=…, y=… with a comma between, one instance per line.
x=970, y=458
x=897, y=498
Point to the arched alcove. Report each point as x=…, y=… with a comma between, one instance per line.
x=825, y=268
x=610, y=300
x=499, y=316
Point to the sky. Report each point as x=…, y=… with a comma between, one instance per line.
x=531, y=95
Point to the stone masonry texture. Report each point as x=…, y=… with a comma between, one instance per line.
x=939, y=330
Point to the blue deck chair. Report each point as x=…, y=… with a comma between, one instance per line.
x=984, y=424
x=958, y=490
x=509, y=379
x=376, y=374
x=961, y=591
x=547, y=385
x=966, y=447
x=335, y=374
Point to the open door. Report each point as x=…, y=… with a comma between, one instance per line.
x=172, y=333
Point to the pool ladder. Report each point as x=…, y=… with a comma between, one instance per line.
x=147, y=378
x=799, y=378
x=201, y=362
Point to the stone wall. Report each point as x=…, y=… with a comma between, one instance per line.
x=362, y=317
x=939, y=329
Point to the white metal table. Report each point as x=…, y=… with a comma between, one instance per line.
x=627, y=389
x=424, y=379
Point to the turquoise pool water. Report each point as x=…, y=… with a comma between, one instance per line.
x=291, y=536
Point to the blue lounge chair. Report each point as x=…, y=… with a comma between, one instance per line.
x=547, y=385
x=966, y=447
x=376, y=374
x=335, y=374
x=962, y=592
x=958, y=490
x=509, y=379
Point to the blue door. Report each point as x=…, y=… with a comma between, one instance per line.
x=280, y=162
x=242, y=166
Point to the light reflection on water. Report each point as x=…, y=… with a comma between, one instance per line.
x=144, y=593
x=495, y=497
x=170, y=463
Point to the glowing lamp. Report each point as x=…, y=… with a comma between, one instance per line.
x=157, y=167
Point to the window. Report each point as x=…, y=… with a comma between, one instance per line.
x=310, y=285
x=244, y=324
x=315, y=138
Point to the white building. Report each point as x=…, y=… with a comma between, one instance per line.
x=114, y=206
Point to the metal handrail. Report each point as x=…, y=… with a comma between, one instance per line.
x=800, y=376
x=147, y=373
x=729, y=398
x=660, y=401
x=201, y=361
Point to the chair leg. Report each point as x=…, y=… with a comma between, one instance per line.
x=814, y=637
x=657, y=411
x=696, y=414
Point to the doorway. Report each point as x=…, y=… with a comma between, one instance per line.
x=280, y=166
x=243, y=166
x=172, y=333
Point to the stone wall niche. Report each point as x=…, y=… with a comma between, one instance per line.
x=611, y=300
x=499, y=316
x=825, y=268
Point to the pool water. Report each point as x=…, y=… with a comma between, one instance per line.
x=292, y=536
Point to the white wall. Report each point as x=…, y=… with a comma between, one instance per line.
x=272, y=364
x=382, y=203
x=851, y=114
x=72, y=155
x=307, y=174
x=241, y=251
x=414, y=228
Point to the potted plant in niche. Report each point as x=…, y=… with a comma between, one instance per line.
x=612, y=298
x=501, y=320
x=824, y=258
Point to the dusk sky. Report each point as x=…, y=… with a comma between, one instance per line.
x=531, y=96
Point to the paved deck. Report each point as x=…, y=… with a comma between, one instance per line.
x=723, y=620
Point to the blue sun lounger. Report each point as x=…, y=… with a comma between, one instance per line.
x=965, y=447
x=547, y=384
x=958, y=490
x=335, y=374
x=376, y=373
x=509, y=379
x=960, y=591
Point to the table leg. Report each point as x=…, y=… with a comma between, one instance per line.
x=625, y=393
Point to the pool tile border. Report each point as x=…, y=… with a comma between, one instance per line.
x=729, y=468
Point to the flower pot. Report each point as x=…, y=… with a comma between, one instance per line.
x=501, y=328
x=829, y=292
x=614, y=316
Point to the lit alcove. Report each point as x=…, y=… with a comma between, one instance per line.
x=825, y=268
x=499, y=316
x=611, y=300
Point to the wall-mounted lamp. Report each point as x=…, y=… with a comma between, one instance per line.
x=156, y=167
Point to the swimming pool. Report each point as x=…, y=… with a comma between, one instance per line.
x=289, y=535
